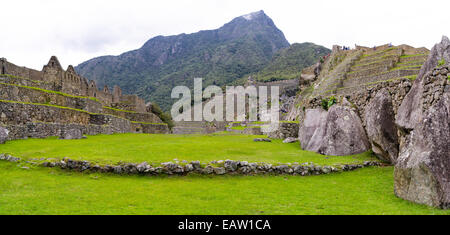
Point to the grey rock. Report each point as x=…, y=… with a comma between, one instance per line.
x=219, y=171
x=262, y=140
x=336, y=132
x=208, y=170
x=231, y=165
x=245, y=170
x=422, y=172
x=130, y=168
x=3, y=135
x=188, y=168
x=71, y=134
x=179, y=169
x=326, y=169
x=118, y=169
x=196, y=165
x=142, y=168
x=290, y=140
x=381, y=128
x=312, y=126
x=170, y=167
x=243, y=163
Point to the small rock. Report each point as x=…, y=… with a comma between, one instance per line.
x=208, y=170
x=219, y=171
x=262, y=140
x=188, y=168
x=290, y=140
x=196, y=164
x=3, y=135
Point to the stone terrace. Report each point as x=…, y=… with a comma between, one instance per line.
x=365, y=67
x=355, y=74
x=43, y=105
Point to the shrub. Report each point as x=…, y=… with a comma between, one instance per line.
x=328, y=102
x=331, y=101
x=164, y=116
x=441, y=62
x=325, y=104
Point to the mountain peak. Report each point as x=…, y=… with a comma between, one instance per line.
x=254, y=15
x=221, y=56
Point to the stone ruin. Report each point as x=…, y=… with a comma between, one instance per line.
x=393, y=100
x=53, y=101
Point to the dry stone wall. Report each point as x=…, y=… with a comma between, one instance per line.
x=285, y=130
x=219, y=167
x=54, y=101
x=19, y=113
x=32, y=95
x=44, y=130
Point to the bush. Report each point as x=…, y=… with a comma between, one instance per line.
x=331, y=101
x=164, y=116
x=328, y=102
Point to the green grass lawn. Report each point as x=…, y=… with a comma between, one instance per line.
x=51, y=191
x=137, y=148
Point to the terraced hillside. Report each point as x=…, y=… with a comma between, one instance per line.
x=349, y=73
x=38, y=107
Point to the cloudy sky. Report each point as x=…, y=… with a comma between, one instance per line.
x=31, y=31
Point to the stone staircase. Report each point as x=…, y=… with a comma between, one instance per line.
x=193, y=127
x=330, y=81
x=198, y=127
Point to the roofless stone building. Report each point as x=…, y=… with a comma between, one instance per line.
x=50, y=102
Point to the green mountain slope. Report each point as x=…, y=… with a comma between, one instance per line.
x=243, y=46
x=289, y=62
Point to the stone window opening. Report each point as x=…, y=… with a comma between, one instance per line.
x=3, y=70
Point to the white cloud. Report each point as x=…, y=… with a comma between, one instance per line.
x=31, y=31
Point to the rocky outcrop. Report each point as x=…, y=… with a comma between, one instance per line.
x=3, y=135
x=422, y=172
x=336, y=132
x=381, y=128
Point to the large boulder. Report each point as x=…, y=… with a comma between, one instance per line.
x=410, y=111
x=381, y=128
x=336, y=132
x=3, y=135
x=71, y=134
x=422, y=172
x=312, y=125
